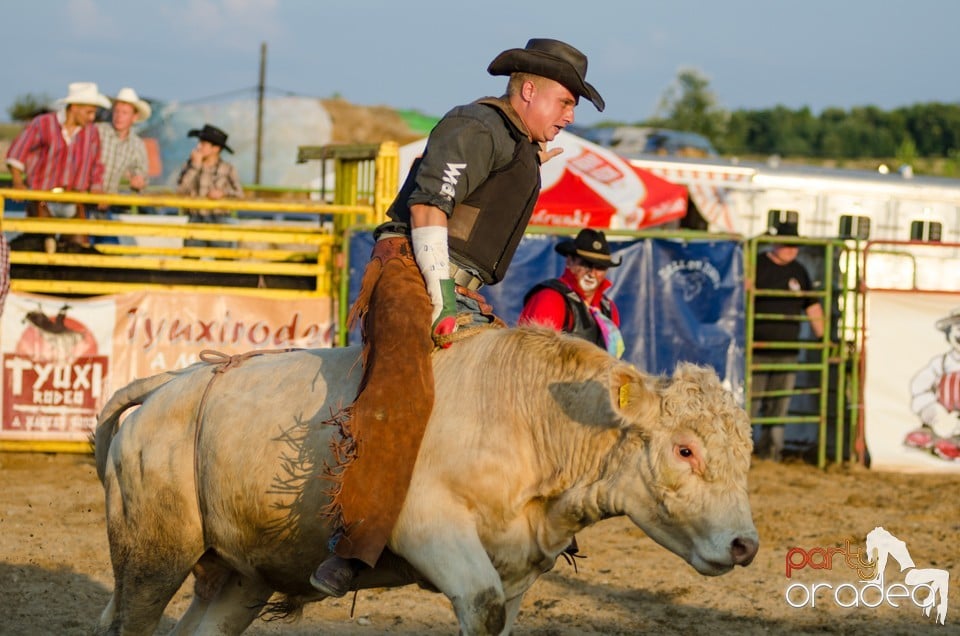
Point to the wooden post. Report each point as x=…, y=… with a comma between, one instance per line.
x=260, y=91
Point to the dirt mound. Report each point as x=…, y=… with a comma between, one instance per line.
x=354, y=124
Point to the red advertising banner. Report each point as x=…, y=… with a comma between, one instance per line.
x=62, y=359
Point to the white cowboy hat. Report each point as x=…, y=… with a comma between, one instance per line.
x=84, y=93
x=130, y=96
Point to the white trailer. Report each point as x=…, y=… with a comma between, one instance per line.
x=736, y=197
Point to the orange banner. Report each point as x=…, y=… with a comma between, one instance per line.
x=63, y=358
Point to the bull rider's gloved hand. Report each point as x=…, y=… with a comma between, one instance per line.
x=446, y=323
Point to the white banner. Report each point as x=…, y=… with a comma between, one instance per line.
x=905, y=354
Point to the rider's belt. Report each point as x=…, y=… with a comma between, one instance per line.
x=460, y=276
x=464, y=278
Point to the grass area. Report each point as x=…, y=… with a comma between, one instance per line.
x=922, y=166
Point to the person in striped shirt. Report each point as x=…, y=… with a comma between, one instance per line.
x=60, y=150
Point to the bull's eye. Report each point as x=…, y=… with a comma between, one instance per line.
x=685, y=452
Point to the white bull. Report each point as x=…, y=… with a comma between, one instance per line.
x=533, y=437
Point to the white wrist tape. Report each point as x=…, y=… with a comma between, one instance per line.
x=430, y=249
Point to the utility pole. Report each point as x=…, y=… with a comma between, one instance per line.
x=260, y=90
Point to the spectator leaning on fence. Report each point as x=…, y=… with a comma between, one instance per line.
x=778, y=269
x=61, y=151
x=207, y=174
x=123, y=153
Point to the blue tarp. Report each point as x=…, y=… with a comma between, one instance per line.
x=678, y=300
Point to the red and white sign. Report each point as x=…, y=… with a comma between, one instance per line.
x=591, y=186
x=62, y=359
x=56, y=366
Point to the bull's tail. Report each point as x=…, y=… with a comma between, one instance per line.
x=123, y=400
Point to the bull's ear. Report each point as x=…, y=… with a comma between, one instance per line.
x=631, y=396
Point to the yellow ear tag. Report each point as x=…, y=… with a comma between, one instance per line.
x=624, y=395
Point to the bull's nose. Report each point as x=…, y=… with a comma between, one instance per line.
x=743, y=549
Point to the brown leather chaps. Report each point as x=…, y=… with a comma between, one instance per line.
x=385, y=425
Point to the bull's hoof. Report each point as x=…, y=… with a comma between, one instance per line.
x=334, y=576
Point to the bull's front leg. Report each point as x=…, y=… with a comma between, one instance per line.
x=441, y=542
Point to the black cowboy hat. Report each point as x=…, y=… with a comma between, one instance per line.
x=783, y=229
x=212, y=134
x=552, y=59
x=591, y=246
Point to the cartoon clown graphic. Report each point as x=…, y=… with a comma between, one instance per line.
x=935, y=391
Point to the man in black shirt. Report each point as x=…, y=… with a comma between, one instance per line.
x=778, y=269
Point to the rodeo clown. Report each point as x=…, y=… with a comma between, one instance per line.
x=577, y=302
x=455, y=226
x=936, y=397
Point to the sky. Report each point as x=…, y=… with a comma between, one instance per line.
x=431, y=55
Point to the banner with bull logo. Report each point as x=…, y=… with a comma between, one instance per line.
x=63, y=358
x=678, y=300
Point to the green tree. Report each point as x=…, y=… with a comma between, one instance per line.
x=26, y=107
x=907, y=152
x=689, y=104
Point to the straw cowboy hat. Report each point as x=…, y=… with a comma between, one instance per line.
x=591, y=246
x=552, y=59
x=212, y=134
x=85, y=93
x=130, y=96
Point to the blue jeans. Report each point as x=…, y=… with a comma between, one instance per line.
x=468, y=305
x=199, y=218
x=771, y=442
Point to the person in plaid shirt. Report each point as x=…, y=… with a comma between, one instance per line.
x=61, y=151
x=206, y=174
x=123, y=153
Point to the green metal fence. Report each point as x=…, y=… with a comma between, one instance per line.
x=833, y=360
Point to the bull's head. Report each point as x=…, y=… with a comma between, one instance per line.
x=683, y=474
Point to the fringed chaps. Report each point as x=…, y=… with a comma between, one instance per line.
x=385, y=425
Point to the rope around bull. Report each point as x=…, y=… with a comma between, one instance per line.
x=223, y=363
x=443, y=341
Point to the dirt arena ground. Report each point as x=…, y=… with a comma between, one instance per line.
x=55, y=575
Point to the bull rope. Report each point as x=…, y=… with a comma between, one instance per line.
x=464, y=320
x=223, y=363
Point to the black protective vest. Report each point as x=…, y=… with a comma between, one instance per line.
x=486, y=227
x=578, y=320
